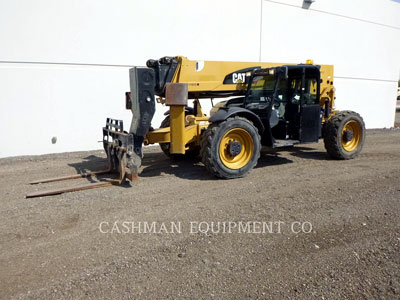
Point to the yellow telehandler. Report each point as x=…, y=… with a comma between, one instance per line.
x=265, y=104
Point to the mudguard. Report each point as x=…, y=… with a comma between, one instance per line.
x=225, y=112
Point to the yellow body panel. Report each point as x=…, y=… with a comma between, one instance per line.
x=211, y=76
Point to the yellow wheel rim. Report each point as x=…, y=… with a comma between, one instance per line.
x=238, y=161
x=351, y=135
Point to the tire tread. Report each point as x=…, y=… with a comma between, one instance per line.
x=332, y=132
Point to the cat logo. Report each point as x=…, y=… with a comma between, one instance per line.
x=239, y=77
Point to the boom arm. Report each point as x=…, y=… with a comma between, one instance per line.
x=215, y=79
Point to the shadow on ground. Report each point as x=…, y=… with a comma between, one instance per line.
x=93, y=163
x=309, y=153
x=156, y=163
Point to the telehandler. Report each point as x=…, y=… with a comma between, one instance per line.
x=265, y=104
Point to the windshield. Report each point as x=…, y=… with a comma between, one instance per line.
x=262, y=88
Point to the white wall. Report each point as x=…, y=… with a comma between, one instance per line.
x=361, y=38
x=95, y=42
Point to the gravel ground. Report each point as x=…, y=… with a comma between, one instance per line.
x=52, y=247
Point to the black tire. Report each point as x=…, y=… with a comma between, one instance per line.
x=334, y=135
x=210, y=147
x=192, y=152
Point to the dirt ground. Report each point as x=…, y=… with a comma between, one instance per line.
x=52, y=247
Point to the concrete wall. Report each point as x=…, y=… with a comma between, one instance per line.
x=360, y=37
x=64, y=64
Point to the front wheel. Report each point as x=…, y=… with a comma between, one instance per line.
x=231, y=149
x=344, y=135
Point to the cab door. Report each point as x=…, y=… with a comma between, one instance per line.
x=310, y=110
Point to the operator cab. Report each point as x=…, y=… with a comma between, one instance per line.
x=286, y=99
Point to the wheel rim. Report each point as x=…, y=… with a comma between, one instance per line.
x=351, y=135
x=238, y=161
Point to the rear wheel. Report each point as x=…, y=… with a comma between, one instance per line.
x=231, y=148
x=344, y=135
x=192, y=152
